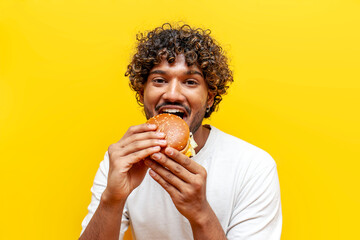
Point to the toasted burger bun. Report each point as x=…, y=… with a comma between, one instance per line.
x=176, y=130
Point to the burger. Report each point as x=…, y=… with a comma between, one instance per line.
x=177, y=133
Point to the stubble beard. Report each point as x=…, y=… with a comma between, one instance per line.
x=197, y=122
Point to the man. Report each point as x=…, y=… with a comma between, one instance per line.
x=228, y=190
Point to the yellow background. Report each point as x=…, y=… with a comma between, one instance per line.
x=64, y=99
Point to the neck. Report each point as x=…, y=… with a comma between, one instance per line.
x=200, y=137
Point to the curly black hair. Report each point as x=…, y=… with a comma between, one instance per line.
x=198, y=48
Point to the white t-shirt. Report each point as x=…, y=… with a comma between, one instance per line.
x=242, y=188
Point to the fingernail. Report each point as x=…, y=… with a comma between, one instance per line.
x=160, y=134
x=162, y=141
x=151, y=126
x=156, y=148
x=152, y=173
x=155, y=156
x=169, y=151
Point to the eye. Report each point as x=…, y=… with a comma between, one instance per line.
x=191, y=82
x=158, y=81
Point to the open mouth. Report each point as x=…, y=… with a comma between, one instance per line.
x=177, y=112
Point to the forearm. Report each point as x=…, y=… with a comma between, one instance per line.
x=106, y=221
x=208, y=227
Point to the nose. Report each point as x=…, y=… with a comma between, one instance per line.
x=174, y=92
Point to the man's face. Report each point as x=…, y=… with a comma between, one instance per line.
x=179, y=89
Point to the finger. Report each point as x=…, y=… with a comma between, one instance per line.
x=173, y=166
x=165, y=174
x=145, y=127
x=183, y=160
x=141, y=136
x=173, y=191
x=142, y=154
x=143, y=144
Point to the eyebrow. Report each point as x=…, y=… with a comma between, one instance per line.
x=190, y=72
x=157, y=72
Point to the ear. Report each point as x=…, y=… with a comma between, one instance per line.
x=210, y=99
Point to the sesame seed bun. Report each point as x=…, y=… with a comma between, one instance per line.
x=176, y=130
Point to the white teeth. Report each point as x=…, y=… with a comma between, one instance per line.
x=172, y=111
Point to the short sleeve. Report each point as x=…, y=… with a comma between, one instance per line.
x=257, y=212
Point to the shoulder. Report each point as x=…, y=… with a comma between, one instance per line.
x=232, y=147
